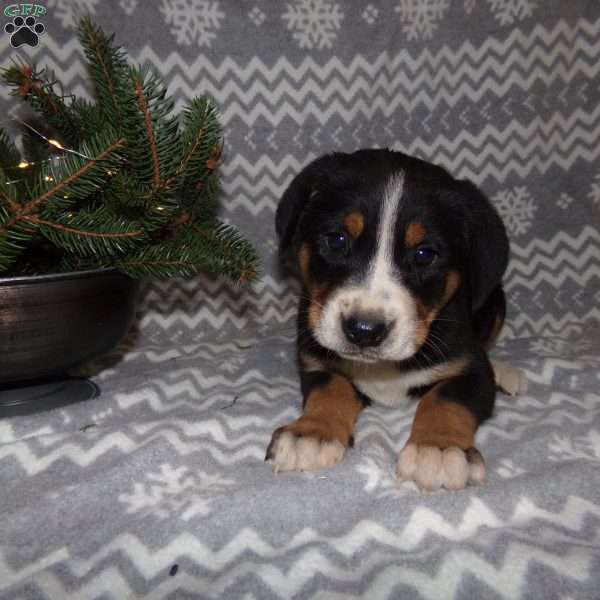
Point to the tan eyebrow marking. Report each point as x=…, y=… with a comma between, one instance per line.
x=415, y=234
x=354, y=224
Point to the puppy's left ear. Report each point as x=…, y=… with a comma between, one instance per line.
x=487, y=243
x=294, y=201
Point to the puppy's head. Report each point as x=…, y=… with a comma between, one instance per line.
x=383, y=243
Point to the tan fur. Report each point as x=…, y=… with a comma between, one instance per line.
x=304, y=261
x=318, y=296
x=330, y=412
x=427, y=314
x=415, y=234
x=442, y=424
x=354, y=224
x=452, y=285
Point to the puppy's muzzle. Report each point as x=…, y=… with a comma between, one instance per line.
x=365, y=330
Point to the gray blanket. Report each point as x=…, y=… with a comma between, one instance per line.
x=159, y=489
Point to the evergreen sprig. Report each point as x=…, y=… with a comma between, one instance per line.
x=106, y=64
x=9, y=154
x=218, y=248
x=137, y=187
x=45, y=95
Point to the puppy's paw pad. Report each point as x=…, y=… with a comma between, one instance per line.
x=509, y=379
x=290, y=452
x=432, y=468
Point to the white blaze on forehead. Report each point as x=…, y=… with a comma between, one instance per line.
x=381, y=268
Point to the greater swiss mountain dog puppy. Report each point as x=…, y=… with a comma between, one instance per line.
x=401, y=266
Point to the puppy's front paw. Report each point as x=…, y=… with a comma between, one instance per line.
x=294, y=450
x=509, y=379
x=432, y=468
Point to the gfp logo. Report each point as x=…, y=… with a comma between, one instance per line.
x=25, y=27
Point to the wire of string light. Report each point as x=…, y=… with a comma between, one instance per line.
x=24, y=164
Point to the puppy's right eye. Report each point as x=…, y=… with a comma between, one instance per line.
x=425, y=256
x=337, y=242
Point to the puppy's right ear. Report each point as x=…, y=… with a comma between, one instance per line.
x=294, y=202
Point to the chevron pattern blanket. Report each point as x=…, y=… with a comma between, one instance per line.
x=158, y=488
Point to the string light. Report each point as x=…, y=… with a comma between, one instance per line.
x=24, y=164
x=52, y=142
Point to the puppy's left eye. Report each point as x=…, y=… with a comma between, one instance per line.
x=425, y=256
x=337, y=242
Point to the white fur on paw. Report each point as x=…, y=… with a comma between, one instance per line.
x=432, y=468
x=509, y=379
x=290, y=452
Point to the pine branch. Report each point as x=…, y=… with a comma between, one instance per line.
x=45, y=96
x=8, y=200
x=14, y=235
x=200, y=136
x=107, y=66
x=152, y=145
x=229, y=253
x=10, y=157
x=127, y=197
x=137, y=188
x=89, y=117
x=9, y=204
x=16, y=170
x=150, y=130
x=13, y=242
x=150, y=136
x=92, y=234
x=219, y=250
x=34, y=150
x=55, y=191
x=202, y=142
x=76, y=177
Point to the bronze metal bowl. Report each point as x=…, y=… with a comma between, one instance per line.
x=52, y=323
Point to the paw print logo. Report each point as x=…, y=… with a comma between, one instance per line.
x=24, y=31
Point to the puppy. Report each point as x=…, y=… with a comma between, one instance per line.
x=401, y=266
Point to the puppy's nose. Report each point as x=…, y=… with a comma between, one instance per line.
x=364, y=331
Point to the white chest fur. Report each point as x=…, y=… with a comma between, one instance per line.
x=384, y=384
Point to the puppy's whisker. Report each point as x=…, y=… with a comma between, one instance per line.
x=311, y=300
x=437, y=338
x=438, y=320
x=438, y=354
x=429, y=361
x=433, y=342
x=437, y=342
